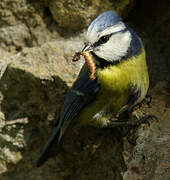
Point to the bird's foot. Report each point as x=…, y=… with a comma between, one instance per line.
x=144, y=120
x=147, y=101
x=131, y=126
x=122, y=111
x=137, y=123
x=126, y=108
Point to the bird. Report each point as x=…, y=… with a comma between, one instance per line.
x=121, y=82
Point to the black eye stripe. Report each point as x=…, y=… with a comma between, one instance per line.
x=105, y=38
x=102, y=40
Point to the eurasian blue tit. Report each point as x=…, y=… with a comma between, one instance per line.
x=121, y=81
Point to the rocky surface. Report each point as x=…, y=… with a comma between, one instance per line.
x=75, y=16
x=37, y=42
x=150, y=158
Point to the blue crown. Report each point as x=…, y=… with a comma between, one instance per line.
x=105, y=20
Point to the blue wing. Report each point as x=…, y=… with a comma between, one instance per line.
x=81, y=94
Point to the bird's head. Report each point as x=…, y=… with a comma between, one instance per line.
x=109, y=38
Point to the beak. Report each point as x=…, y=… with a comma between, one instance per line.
x=87, y=48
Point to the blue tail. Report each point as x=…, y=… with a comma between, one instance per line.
x=44, y=155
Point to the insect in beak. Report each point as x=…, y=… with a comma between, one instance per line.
x=89, y=60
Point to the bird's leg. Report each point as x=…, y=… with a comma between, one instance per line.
x=144, y=120
x=128, y=107
x=122, y=110
x=131, y=126
x=137, y=123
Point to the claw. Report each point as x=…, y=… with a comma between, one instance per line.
x=145, y=120
x=148, y=100
x=137, y=123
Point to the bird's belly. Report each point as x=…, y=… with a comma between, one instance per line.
x=105, y=107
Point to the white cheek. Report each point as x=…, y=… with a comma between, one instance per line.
x=115, y=48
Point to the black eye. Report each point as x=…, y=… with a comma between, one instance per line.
x=102, y=40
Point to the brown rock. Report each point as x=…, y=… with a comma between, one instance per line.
x=76, y=16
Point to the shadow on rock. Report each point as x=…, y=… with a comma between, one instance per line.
x=89, y=153
x=30, y=106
